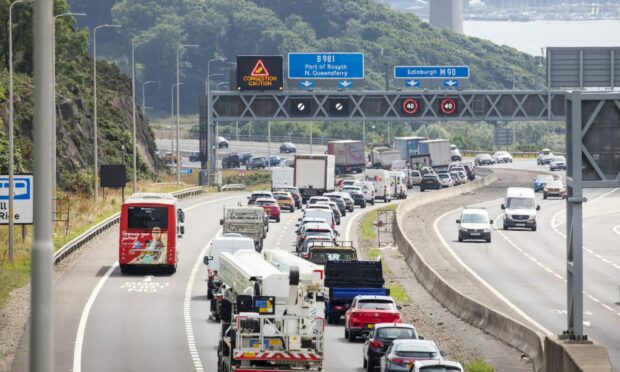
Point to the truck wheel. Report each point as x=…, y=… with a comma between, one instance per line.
x=351, y=337
x=278, y=219
x=385, y=199
x=544, y=196
x=504, y=226
x=346, y=333
x=460, y=239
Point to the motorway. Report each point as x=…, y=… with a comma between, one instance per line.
x=106, y=321
x=529, y=268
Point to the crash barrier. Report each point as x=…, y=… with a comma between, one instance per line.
x=575, y=356
x=466, y=308
x=233, y=187
x=515, y=154
x=102, y=226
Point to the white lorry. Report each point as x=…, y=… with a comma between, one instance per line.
x=349, y=155
x=438, y=150
x=314, y=175
x=384, y=157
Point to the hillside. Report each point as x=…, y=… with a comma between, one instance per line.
x=73, y=106
x=232, y=27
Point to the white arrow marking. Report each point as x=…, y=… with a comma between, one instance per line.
x=148, y=278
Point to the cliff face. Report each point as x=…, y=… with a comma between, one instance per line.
x=75, y=127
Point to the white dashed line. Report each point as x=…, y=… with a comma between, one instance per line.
x=616, y=229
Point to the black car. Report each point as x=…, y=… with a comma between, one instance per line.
x=471, y=174
x=430, y=182
x=287, y=147
x=484, y=159
x=381, y=337
x=256, y=163
x=231, y=161
x=244, y=157
x=356, y=194
x=274, y=161
x=195, y=156
x=342, y=206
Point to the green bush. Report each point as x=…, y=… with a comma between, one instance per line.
x=478, y=365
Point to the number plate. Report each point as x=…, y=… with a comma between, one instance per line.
x=474, y=234
x=520, y=224
x=370, y=325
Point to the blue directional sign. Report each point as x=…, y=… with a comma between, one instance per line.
x=412, y=83
x=345, y=84
x=306, y=84
x=326, y=65
x=186, y=170
x=23, y=197
x=451, y=83
x=431, y=72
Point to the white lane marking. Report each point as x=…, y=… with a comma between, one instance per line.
x=482, y=281
x=79, y=338
x=515, y=246
x=554, y=225
x=187, y=310
x=616, y=229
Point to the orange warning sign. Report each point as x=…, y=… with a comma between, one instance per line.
x=260, y=69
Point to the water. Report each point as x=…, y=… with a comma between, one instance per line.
x=529, y=37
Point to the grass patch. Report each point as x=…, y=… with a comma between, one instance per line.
x=398, y=293
x=373, y=253
x=82, y=216
x=478, y=365
x=368, y=229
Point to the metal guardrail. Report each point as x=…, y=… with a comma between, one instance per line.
x=102, y=226
x=233, y=187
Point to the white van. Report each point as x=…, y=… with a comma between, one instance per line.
x=230, y=243
x=399, y=187
x=381, y=180
x=520, y=208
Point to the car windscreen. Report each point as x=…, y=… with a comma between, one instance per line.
x=440, y=369
x=376, y=305
x=474, y=218
x=559, y=159
x=521, y=203
x=544, y=177
x=281, y=196
x=147, y=217
x=444, y=175
x=332, y=255
x=318, y=231
x=243, y=216
x=395, y=333
x=264, y=202
x=555, y=184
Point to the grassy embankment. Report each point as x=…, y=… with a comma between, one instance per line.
x=82, y=215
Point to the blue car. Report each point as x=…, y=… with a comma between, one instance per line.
x=541, y=180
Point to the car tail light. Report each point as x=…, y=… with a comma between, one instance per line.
x=376, y=344
x=306, y=255
x=399, y=361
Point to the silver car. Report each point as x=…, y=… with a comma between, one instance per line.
x=402, y=354
x=369, y=191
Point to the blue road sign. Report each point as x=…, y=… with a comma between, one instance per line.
x=451, y=83
x=306, y=84
x=431, y=72
x=412, y=83
x=326, y=65
x=21, y=191
x=186, y=170
x=345, y=84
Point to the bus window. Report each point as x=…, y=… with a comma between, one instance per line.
x=147, y=217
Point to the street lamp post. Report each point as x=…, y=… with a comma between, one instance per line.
x=179, y=48
x=210, y=140
x=144, y=96
x=96, y=133
x=133, y=109
x=172, y=119
x=11, y=150
x=54, y=181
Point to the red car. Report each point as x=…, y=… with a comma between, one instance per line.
x=366, y=311
x=270, y=206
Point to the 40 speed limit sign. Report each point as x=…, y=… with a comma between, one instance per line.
x=448, y=106
x=410, y=106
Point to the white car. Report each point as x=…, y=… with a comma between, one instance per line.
x=474, y=224
x=369, y=191
x=557, y=163
x=415, y=177
x=437, y=365
x=502, y=157
x=445, y=179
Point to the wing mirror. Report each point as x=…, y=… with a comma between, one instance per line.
x=398, y=307
x=206, y=260
x=181, y=215
x=337, y=233
x=181, y=231
x=420, y=337
x=490, y=222
x=458, y=221
x=222, y=221
x=443, y=354
x=538, y=207
x=503, y=206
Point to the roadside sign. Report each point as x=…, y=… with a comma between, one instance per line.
x=259, y=73
x=448, y=106
x=431, y=72
x=410, y=106
x=412, y=83
x=327, y=65
x=451, y=83
x=23, y=196
x=186, y=170
x=345, y=84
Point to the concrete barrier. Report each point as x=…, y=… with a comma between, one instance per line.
x=468, y=309
x=570, y=356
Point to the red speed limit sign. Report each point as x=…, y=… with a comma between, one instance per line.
x=409, y=106
x=448, y=106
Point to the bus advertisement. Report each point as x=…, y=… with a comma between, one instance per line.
x=150, y=226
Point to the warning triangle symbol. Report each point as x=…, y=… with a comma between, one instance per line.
x=260, y=69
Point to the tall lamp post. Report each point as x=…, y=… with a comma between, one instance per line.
x=144, y=96
x=54, y=181
x=210, y=141
x=133, y=109
x=96, y=130
x=179, y=48
x=172, y=118
x=10, y=134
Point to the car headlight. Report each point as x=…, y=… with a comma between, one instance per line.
x=531, y=219
x=487, y=230
x=509, y=216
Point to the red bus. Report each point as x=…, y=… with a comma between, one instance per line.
x=150, y=228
